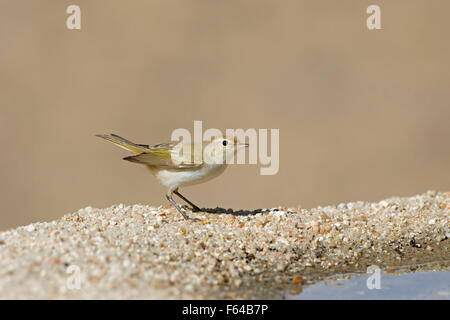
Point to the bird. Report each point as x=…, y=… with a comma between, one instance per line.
x=173, y=169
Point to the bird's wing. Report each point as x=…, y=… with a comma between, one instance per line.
x=163, y=155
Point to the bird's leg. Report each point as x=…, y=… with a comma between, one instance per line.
x=169, y=197
x=194, y=207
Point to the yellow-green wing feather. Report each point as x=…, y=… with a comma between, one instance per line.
x=155, y=155
x=159, y=160
x=162, y=155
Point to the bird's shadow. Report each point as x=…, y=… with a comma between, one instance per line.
x=241, y=212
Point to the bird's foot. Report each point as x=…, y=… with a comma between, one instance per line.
x=193, y=209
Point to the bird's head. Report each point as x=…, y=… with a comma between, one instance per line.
x=221, y=150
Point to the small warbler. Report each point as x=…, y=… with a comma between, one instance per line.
x=174, y=170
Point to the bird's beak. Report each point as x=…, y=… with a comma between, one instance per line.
x=243, y=144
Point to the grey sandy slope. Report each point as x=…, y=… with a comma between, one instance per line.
x=141, y=251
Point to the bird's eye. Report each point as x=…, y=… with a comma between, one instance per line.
x=224, y=142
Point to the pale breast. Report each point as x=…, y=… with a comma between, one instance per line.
x=174, y=178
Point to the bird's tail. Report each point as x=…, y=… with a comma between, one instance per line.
x=124, y=143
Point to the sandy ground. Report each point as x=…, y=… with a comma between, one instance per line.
x=151, y=252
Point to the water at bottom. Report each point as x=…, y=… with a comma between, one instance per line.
x=416, y=285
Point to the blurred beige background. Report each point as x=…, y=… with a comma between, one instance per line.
x=362, y=114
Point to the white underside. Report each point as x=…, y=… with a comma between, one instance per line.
x=173, y=179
